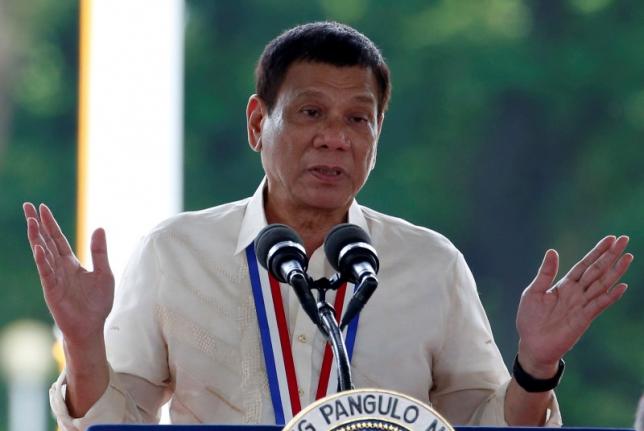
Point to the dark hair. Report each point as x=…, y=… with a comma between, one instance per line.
x=319, y=42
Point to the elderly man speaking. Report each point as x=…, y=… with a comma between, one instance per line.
x=184, y=328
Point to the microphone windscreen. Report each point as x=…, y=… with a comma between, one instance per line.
x=341, y=236
x=271, y=235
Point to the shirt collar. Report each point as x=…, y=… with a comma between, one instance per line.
x=255, y=219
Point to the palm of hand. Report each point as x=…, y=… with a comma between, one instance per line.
x=551, y=319
x=79, y=300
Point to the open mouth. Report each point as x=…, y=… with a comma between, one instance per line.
x=327, y=171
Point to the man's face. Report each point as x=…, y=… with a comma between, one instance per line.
x=318, y=144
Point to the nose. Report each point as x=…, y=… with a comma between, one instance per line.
x=333, y=134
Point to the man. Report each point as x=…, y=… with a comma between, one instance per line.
x=184, y=328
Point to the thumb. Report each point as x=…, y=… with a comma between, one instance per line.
x=98, y=247
x=547, y=272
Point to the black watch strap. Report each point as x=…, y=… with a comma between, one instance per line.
x=531, y=384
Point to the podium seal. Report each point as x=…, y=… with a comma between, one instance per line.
x=367, y=410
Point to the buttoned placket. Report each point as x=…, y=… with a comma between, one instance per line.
x=305, y=336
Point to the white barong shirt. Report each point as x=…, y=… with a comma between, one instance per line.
x=184, y=328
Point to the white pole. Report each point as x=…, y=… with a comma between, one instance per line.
x=27, y=406
x=130, y=121
x=25, y=355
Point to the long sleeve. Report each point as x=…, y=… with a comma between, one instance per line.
x=122, y=402
x=136, y=353
x=470, y=378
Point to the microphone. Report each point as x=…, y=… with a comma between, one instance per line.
x=348, y=249
x=281, y=252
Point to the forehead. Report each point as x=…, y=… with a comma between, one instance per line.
x=304, y=79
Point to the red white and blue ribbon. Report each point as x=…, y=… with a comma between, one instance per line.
x=276, y=345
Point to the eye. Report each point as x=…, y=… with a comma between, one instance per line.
x=310, y=112
x=359, y=119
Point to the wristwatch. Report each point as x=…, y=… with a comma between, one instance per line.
x=532, y=384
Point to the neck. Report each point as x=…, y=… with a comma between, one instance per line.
x=310, y=223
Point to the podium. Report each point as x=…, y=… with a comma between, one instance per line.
x=278, y=428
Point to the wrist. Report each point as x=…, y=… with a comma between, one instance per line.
x=90, y=341
x=85, y=358
x=536, y=368
x=532, y=383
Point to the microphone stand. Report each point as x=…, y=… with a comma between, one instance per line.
x=330, y=328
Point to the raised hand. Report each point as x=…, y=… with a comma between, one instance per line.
x=79, y=300
x=552, y=318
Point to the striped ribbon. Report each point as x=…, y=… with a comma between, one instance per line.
x=276, y=345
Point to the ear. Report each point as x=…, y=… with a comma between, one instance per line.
x=381, y=118
x=255, y=114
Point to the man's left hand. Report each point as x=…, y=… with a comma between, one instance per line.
x=552, y=318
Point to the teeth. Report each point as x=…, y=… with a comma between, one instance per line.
x=329, y=171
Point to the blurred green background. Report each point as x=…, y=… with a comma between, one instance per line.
x=515, y=126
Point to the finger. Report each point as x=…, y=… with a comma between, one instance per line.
x=46, y=241
x=29, y=210
x=98, y=247
x=595, y=307
x=51, y=247
x=45, y=270
x=33, y=232
x=609, y=278
x=577, y=271
x=604, y=262
x=53, y=229
x=35, y=238
x=547, y=272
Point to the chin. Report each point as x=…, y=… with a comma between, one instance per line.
x=329, y=201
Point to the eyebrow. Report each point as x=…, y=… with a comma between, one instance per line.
x=365, y=98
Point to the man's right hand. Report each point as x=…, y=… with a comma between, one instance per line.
x=79, y=301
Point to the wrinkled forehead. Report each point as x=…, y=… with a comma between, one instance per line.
x=322, y=80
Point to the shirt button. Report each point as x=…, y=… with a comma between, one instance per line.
x=302, y=338
x=301, y=392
